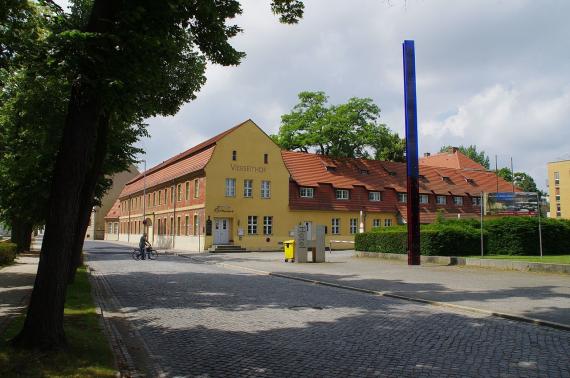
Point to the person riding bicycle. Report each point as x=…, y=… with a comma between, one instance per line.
x=143, y=244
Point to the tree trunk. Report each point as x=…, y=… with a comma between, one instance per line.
x=87, y=198
x=43, y=327
x=21, y=235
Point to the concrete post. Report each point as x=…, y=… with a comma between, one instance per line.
x=300, y=244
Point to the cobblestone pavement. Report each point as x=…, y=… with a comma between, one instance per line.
x=16, y=283
x=199, y=319
x=543, y=296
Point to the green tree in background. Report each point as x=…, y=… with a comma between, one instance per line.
x=346, y=130
x=472, y=153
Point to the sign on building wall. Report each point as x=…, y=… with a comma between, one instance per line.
x=511, y=203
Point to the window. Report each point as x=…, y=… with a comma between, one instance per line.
x=265, y=158
x=171, y=226
x=342, y=194
x=441, y=200
x=335, y=229
x=234, y=155
x=402, y=197
x=248, y=188
x=154, y=198
x=305, y=192
x=375, y=222
x=353, y=225
x=230, y=187
x=179, y=192
x=476, y=201
x=387, y=222
x=265, y=189
x=187, y=190
x=556, y=178
x=148, y=200
x=267, y=225
x=196, y=224
x=178, y=226
x=424, y=198
x=558, y=198
x=374, y=196
x=458, y=201
x=196, y=188
x=172, y=194
x=252, y=224
x=186, y=225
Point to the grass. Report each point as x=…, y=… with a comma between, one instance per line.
x=559, y=259
x=88, y=353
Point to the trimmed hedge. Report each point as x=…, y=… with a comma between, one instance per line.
x=434, y=241
x=504, y=236
x=7, y=253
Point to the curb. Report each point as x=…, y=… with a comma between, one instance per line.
x=503, y=315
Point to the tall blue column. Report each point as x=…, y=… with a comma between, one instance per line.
x=413, y=205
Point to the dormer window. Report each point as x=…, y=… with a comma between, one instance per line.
x=445, y=178
x=469, y=180
x=375, y=196
x=234, y=155
x=331, y=168
x=342, y=194
x=364, y=172
x=306, y=192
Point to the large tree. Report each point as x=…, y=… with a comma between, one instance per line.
x=126, y=61
x=522, y=180
x=346, y=130
x=472, y=153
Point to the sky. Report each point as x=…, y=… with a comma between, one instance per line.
x=494, y=73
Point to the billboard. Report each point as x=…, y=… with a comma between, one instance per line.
x=511, y=203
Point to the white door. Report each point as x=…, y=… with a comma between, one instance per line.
x=309, y=227
x=221, y=231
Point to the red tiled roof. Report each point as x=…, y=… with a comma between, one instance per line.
x=311, y=169
x=428, y=215
x=115, y=211
x=451, y=159
x=189, y=161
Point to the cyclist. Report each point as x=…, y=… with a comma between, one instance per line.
x=143, y=244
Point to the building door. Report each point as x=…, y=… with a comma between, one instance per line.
x=309, y=227
x=221, y=231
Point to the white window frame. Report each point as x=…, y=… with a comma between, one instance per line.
x=353, y=226
x=267, y=225
x=230, y=187
x=335, y=226
x=556, y=178
x=265, y=189
x=252, y=224
x=387, y=222
x=306, y=192
x=438, y=200
x=375, y=196
x=196, y=188
x=342, y=194
x=376, y=223
x=458, y=200
x=248, y=188
x=403, y=197
x=476, y=201
x=424, y=199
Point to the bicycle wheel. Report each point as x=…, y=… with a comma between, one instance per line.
x=136, y=255
x=152, y=254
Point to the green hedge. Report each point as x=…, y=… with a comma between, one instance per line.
x=504, y=236
x=434, y=241
x=7, y=253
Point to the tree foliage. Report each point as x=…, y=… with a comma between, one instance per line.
x=472, y=153
x=522, y=180
x=346, y=130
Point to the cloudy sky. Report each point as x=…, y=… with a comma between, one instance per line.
x=495, y=73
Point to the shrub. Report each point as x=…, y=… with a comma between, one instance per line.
x=440, y=240
x=7, y=253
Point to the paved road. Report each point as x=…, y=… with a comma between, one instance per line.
x=16, y=283
x=199, y=319
x=543, y=296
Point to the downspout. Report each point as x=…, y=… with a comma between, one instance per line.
x=174, y=196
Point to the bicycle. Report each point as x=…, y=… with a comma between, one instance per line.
x=151, y=253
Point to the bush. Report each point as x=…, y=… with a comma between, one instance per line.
x=435, y=240
x=7, y=253
x=519, y=236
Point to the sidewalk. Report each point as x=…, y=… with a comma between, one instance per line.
x=538, y=296
x=16, y=283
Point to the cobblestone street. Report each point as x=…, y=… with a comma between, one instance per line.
x=199, y=319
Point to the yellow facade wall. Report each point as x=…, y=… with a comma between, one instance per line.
x=560, y=188
x=250, y=144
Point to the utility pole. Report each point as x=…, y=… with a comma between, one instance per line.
x=411, y=111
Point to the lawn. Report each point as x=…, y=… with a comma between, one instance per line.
x=88, y=354
x=559, y=259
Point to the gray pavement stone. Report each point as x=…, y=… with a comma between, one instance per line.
x=204, y=320
x=16, y=283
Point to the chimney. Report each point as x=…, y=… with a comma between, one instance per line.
x=452, y=150
x=427, y=154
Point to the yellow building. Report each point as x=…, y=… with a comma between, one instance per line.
x=559, y=188
x=240, y=189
